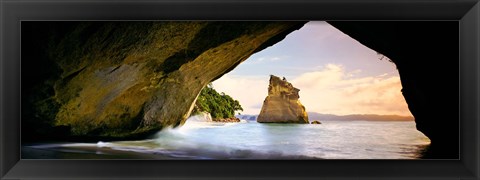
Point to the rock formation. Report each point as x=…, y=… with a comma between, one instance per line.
x=282, y=104
x=227, y=120
x=201, y=116
x=315, y=122
x=122, y=80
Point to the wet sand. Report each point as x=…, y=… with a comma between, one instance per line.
x=93, y=152
x=29, y=152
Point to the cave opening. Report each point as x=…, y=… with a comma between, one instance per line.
x=340, y=80
x=320, y=54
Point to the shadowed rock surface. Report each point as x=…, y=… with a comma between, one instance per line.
x=282, y=104
x=427, y=58
x=127, y=80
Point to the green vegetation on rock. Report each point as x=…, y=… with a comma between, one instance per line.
x=219, y=105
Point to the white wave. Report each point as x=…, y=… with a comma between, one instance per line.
x=204, y=121
x=103, y=144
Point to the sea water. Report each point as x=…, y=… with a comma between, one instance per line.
x=198, y=139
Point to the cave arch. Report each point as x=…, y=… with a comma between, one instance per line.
x=68, y=87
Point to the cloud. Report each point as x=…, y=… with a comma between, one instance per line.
x=265, y=59
x=275, y=59
x=332, y=90
x=329, y=89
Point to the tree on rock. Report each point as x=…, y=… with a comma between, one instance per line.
x=219, y=105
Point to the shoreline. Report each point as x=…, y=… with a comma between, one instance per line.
x=86, y=153
x=56, y=152
x=189, y=144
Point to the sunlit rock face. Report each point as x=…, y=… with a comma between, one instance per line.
x=127, y=79
x=282, y=104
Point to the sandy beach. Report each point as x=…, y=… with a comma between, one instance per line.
x=79, y=152
x=31, y=152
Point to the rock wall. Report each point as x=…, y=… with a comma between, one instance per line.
x=427, y=58
x=282, y=104
x=121, y=80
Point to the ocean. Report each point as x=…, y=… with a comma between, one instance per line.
x=334, y=139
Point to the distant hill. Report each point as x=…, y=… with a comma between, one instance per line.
x=353, y=117
x=247, y=117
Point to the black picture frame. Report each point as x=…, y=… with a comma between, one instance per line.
x=467, y=12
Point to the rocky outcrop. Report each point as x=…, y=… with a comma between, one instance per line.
x=282, y=104
x=226, y=120
x=427, y=58
x=120, y=80
x=207, y=117
x=315, y=122
x=201, y=116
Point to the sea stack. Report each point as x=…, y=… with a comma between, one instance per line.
x=282, y=104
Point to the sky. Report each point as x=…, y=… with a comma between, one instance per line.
x=335, y=74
